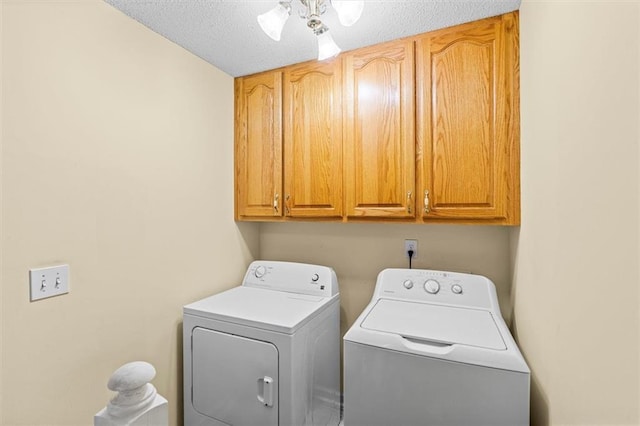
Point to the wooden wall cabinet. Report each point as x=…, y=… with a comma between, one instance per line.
x=468, y=122
x=379, y=131
x=313, y=140
x=288, y=156
x=258, y=145
x=423, y=129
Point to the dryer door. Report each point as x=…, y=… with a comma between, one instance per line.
x=235, y=379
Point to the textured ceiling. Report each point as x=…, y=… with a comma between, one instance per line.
x=226, y=33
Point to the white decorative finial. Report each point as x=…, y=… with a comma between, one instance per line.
x=136, y=396
x=135, y=393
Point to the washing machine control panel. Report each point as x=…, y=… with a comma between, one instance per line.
x=292, y=277
x=422, y=285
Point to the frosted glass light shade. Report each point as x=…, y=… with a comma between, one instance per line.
x=327, y=48
x=273, y=21
x=349, y=11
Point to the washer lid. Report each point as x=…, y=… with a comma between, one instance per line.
x=265, y=309
x=435, y=323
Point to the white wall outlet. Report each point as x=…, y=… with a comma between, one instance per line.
x=48, y=282
x=411, y=245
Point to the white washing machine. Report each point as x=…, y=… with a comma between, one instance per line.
x=431, y=348
x=265, y=353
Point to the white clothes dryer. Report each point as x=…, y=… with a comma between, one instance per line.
x=267, y=352
x=432, y=348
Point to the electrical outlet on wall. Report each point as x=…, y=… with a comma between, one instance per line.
x=411, y=245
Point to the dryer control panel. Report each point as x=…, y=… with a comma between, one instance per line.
x=442, y=287
x=301, y=278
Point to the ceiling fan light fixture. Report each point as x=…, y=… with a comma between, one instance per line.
x=327, y=47
x=273, y=21
x=349, y=11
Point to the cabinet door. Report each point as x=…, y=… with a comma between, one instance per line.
x=380, y=131
x=258, y=174
x=313, y=139
x=468, y=115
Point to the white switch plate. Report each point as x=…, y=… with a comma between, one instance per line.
x=48, y=282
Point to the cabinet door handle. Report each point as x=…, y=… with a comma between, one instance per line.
x=409, y=202
x=286, y=206
x=276, y=202
x=426, y=201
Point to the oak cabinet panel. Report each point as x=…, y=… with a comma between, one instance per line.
x=258, y=146
x=379, y=131
x=468, y=132
x=313, y=139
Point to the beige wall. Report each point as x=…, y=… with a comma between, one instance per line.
x=117, y=159
x=575, y=291
x=358, y=252
x=1, y=229
x=117, y=156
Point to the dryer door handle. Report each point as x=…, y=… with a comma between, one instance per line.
x=265, y=391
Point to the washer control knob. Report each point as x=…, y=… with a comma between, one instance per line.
x=431, y=286
x=408, y=284
x=315, y=278
x=260, y=271
x=456, y=289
